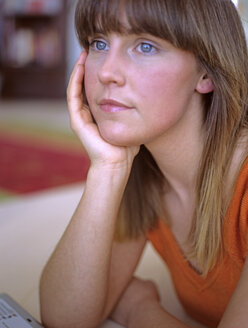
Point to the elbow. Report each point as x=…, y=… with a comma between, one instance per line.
x=56, y=322
x=59, y=318
x=53, y=323
x=57, y=312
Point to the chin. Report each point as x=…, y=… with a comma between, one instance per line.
x=118, y=138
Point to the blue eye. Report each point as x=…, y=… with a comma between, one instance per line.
x=146, y=48
x=99, y=45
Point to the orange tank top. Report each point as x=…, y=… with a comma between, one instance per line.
x=205, y=298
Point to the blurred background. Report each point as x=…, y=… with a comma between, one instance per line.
x=38, y=49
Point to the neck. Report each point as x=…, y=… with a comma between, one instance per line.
x=178, y=153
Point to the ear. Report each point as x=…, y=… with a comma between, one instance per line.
x=205, y=84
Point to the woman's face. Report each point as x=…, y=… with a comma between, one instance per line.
x=139, y=87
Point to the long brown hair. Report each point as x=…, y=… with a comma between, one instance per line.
x=213, y=32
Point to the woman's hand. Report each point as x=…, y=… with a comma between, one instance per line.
x=137, y=293
x=100, y=152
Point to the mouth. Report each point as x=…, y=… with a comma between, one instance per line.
x=113, y=106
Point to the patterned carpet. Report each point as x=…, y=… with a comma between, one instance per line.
x=36, y=158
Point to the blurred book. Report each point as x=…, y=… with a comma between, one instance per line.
x=26, y=46
x=21, y=47
x=49, y=7
x=47, y=47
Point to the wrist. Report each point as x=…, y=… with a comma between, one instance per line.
x=106, y=184
x=113, y=172
x=110, y=167
x=115, y=163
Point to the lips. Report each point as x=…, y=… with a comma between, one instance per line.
x=113, y=106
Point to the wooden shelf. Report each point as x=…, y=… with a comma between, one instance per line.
x=33, y=52
x=35, y=82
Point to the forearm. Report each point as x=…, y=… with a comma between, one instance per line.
x=150, y=314
x=74, y=283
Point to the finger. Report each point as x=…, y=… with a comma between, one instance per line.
x=80, y=61
x=74, y=91
x=76, y=80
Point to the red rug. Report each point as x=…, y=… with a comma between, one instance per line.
x=27, y=167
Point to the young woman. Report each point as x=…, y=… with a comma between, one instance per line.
x=163, y=117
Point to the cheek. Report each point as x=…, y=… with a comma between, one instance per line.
x=171, y=85
x=166, y=95
x=157, y=89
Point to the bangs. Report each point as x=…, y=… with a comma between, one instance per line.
x=126, y=17
x=191, y=25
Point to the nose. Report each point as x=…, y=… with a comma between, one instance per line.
x=113, y=69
